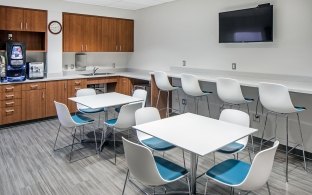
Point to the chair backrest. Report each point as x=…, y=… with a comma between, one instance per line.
x=237, y=117
x=84, y=92
x=260, y=169
x=126, y=116
x=229, y=90
x=145, y=115
x=275, y=97
x=141, y=94
x=190, y=85
x=162, y=81
x=141, y=164
x=63, y=115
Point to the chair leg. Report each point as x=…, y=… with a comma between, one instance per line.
x=275, y=135
x=179, y=101
x=115, y=145
x=124, y=188
x=188, y=185
x=214, y=158
x=232, y=191
x=72, y=146
x=251, y=136
x=95, y=140
x=195, y=105
x=58, y=131
x=303, y=149
x=249, y=155
x=158, y=98
x=208, y=106
x=287, y=148
x=265, y=122
x=206, y=186
x=167, y=108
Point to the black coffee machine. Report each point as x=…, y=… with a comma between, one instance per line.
x=16, y=61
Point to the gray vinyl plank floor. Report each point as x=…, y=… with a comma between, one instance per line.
x=28, y=165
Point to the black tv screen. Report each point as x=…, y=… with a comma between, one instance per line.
x=247, y=25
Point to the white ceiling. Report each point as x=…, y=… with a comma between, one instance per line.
x=123, y=4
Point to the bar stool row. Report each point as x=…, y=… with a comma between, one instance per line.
x=275, y=98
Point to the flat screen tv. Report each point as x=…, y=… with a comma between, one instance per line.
x=247, y=25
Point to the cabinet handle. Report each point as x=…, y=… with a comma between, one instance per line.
x=42, y=95
x=26, y=26
x=86, y=47
x=8, y=89
x=77, y=82
x=116, y=47
x=65, y=86
x=119, y=47
x=8, y=97
x=21, y=25
x=8, y=104
x=34, y=87
x=9, y=111
x=81, y=47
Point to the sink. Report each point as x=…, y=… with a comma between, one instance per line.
x=97, y=74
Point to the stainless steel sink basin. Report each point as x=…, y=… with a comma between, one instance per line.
x=97, y=74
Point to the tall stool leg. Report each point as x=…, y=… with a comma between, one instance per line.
x=57, y=136
x=208, y=106
x=158, y=98
x=179, y=101
x=265, y=122
x=287, y=148
x=72, y=146
x=251, y=136
x=303, y=149
x=167, y=111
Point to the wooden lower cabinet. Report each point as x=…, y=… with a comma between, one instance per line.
x=124, y=86
x=55, y=91
x=73, y=87
x=33, y=104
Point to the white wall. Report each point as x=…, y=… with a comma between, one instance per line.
x=188, y=30
x=55, y=9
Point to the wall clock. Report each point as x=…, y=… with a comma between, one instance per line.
x=55, y=27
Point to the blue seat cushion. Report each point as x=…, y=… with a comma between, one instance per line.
x=157, y=144
x=169, y=170
x=231, y=172
x=111, y=122
x=81, y=120
x=90, y=110
x=300, y=108
x=231, y=148
x=117, y=109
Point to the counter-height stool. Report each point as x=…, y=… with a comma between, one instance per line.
x=190, y=86
x=230, y=93
x=71, y=122
x=163, y=84
x=276, y=99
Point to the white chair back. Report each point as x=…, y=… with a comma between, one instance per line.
x=237, y=117
x=190, y=85
x=229, y=91
x=145, y=115
x=84, y=92
x=141, y=94
x=63, y=115
x=260, y=169
x=126, y=116
x=275, y=97
x=141, y=164
x=162, y=81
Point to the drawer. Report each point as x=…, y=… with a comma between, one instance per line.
x=11, y=88
x=76, y=82
x=11, y=96
x=10, y=103
x=11, y=115
x=108, y=80
x=33, y=86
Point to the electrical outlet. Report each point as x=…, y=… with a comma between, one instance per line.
x=184, y=102
x=233, y=66
x=184, y=63
x=256, y=118
x=114, y=65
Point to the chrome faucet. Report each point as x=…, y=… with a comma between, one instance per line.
x=94, y=70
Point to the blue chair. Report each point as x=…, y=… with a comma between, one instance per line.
x=150, y=170
x=68, y=121
x=244, y=176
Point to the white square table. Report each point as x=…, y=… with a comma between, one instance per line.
x=197, y=134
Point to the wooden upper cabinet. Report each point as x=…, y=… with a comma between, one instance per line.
x=14, y=19
x=125, y=30
x=3, y=18
x=73, y=33
x=92, y=33
x=35, y=20
x=109, y=34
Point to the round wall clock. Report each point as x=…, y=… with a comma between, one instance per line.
x=55, y=27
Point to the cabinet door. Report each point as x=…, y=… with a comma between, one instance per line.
x=55, y=91
x=73, y=87
x=109, y=35
x=125, y=35
x=124, y=86
x=3, y=18
x=92, y=34
x=73, y=33
x=35, y=20
x=14, y=19
x=33, y=104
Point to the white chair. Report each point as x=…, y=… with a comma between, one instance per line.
x=150, y=170
x=138, y=93
x=124, y=122
x=276, y=99
x=163, y=84
x=243, y=176
x=68, y=121
x=84, y=109
x=190, y=86
x=240, y=118
x=149, y=114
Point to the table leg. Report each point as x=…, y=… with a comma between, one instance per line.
x=193, y=171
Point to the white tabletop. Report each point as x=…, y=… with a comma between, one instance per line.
x=105, y=100
x=198, y=134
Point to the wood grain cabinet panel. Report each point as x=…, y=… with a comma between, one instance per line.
x=10, y=115
x=33, y=104
x=35, y=20
x=3, y=18
x=73, y=33
x=124, y=86
x=92, y=34
x=125, y=30
x=14, y=19
x=73, y=87
x=109, y=35
x=55, y=91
